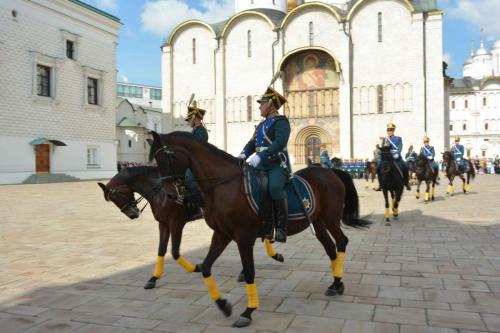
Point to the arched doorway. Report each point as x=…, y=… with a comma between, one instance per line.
x=312, y=145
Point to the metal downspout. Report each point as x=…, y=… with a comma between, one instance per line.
x=351, y=80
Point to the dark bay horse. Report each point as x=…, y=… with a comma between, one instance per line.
x=390, y=181
x=412, y=169
x=228, y=213
x=370, y=173
x=425, y=172
x=171, y=214
x=452, y=170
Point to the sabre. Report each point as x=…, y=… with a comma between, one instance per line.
x=275, y=77
x=191, y=99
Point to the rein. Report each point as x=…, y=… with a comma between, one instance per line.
x=135, y=202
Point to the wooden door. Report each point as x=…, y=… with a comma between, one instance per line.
x=42, y=158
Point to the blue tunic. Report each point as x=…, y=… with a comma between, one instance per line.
x=325, y=160
x=458, y=152
x=430, y=153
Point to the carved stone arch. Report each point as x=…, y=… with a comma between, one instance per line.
x=305, y=134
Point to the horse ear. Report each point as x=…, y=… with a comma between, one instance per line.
x=150, y=142
x=103, y=187
x=156, y=136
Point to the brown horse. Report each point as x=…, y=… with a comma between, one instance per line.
x=428, y=173
x=391, y=182
x=452, y=170
x=171, y=214
x=370, y=173
x=228, y=213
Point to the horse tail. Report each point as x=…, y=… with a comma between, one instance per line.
x=350, y=216
x=472, y=170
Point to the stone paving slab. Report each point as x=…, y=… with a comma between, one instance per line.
x=73, y=263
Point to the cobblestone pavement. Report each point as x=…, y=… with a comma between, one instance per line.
x=70, y=262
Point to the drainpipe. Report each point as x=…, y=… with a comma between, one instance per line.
x=276, y=41
x=351, y=80
x=424, y=35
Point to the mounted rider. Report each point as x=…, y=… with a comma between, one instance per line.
x=325, y=159
x=428, y=151
x=269, y=143
x=396, y=146
x=193, y=199
x=458, y=152
x=411, y=155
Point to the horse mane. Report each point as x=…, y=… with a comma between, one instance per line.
x=142, y=171
x=219, y=152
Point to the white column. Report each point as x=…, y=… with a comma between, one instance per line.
x=220, y=96
x=167, y=88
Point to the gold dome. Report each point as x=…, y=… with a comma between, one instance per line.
x=292, y=4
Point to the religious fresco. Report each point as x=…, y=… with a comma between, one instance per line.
x=310, y=70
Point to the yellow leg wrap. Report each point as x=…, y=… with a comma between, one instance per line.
x=395, y=211
x=338, y=265
x=392, y=202
x=417, y=195
x=387, y=213
x=452, y=189
x=253, y=296
x=467, y=187
x=426, y=196
x=159, y=267
x=189, y=267
x=269, y=248
x=213, y=291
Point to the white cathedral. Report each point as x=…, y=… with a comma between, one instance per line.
x=349, y=68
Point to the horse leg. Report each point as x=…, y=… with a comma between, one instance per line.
x=464, y=184
x=176, y=244
x=270, y=252
x=433, y=188
x=387, y=210
x=451, y=189
x=217, y=246
x=395, y=209
x=162, y=249
x=393, y=205
x=417, y=194
x=246, y=253
x=427, y=191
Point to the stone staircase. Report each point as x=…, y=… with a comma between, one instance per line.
x=45, y=178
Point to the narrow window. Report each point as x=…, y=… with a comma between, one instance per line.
x=43, y=80
x=130, y=143
x=380, y=27
x=92, y=157
x=249, y=43
x=311, y=33
x=380, y=99
x=452, y=104
x=466, y=104
x=194, y=50
x=483, y=153
x=249, y=108
x=92, y=90
x=484, y=101
x=464, y=127
x=486, y=126
x=451, y=127
x=70, y=49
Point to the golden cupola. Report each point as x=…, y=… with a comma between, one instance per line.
x=292, y=4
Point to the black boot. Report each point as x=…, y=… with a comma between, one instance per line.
x=193, y=211
x=281, y=210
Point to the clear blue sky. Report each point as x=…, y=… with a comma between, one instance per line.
x=147, y=22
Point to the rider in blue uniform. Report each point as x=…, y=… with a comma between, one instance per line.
x=193, y=199
x=411, y=155
x=428, y=151
x=458, y=152
x=269, y=143
x=396, y=144
x=325, y=159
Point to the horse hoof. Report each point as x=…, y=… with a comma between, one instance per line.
x=151, y=283
x=396, y=217
x=387, y=223
x=432, y=198
x=241, y=277
x=224, y=306
x=334, y=290
x=279, y=257
x=242, y=322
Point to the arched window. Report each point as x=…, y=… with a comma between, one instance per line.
x=453, y=104
x=485, y=102
x=466, y=104
x=451, y=127
x=311, y=33
x=464, y=127
x=380, y=99
x=313, y=144
x=380, y=27
x=249, y=43
x=486, y=126
x=249, y=108
x=194, y=50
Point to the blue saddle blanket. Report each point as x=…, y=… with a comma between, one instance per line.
x=295, y=203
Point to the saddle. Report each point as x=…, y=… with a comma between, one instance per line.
x=256, y=188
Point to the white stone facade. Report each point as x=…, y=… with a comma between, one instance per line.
x=229, y=64
x=475, y=103
x=36, y=33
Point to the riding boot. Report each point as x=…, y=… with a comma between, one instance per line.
x=281, y=210
x=193, y=210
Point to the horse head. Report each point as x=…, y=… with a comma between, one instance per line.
x=447, y=158
x=121, y=194
x=172, y=159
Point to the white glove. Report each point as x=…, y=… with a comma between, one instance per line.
x=254, y=161
x=395, y=156
x=242, y=156
x=429, y=157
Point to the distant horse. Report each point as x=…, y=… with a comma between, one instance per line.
x=412, y=169
x=390, y=181
x=171, y=214
x=426, y=172
x=370, y=173
x=229, y=214
x=336, y=162
x=452, y=170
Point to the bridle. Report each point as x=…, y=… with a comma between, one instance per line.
x=179, y=182
x=133, y=203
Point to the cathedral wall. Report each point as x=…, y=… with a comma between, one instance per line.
x=390, y=70
x=247, y=74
